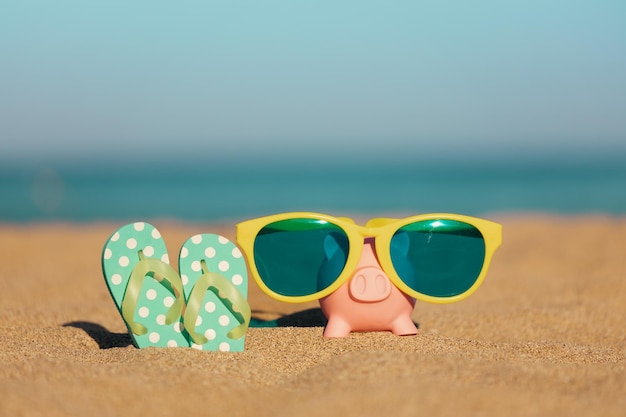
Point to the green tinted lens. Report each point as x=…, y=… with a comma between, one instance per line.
x=299, y=257
x=440, y=258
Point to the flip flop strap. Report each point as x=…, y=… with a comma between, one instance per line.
x=228, y=295
x=159, y=271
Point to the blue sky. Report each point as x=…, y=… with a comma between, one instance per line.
x=88, y=80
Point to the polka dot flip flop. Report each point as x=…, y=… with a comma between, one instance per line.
x=215, y=279
x=147, y=291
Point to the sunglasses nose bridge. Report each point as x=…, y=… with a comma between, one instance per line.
x=366, y=233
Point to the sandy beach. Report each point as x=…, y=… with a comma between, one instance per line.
x=544, y=336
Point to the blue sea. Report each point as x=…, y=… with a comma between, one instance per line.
x=229, y=190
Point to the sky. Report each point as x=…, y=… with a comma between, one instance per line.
x=89, y=80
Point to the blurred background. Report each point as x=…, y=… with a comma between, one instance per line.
x=220, y=111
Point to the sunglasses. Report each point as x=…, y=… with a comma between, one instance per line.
x=438, y=258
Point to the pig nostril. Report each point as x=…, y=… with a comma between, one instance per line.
x=381, y=284
x=359, y=284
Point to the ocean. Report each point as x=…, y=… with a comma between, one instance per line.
x=216, y=191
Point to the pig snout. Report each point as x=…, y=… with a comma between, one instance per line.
x=368, y=301
x=370, y=285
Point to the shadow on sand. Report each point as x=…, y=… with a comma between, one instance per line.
x=104, y=338
x=107, y=340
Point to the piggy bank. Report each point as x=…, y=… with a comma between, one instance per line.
x=368, y=301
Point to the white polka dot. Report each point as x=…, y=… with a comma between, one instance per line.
x=210, y=334
x=131, y=243
x=160, y=319
x=224, y=320
x=155, y=234
x=172, y=343
x=184, y=252
x=222, y=240
x=185, y=279
x=115, y=237
x=237, y=279
x=236, y=253
x=168, y=301
x=224, y=347
x=198, y=321
x=151, y=294
x=139, y=226
x=209, y=252
x=197, y=347
x=197, y=239
x=179, y=327
x=143, y=312
x=107, y=253
x=154, y=337
x=124, y=261
x=165, y=259
x=148, y=251
x=223, y=266
x=209, y=307
x=196, y=266
x=116, y=279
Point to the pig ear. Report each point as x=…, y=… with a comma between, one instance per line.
x=335, y=255
x=400, y=243
x=331, y=246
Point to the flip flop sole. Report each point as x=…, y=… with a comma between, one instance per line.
x=121, y=254
x=216, y=254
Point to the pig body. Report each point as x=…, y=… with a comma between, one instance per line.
x=368, y=301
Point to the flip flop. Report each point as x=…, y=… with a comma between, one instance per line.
x=147, y=291
x=215, y=278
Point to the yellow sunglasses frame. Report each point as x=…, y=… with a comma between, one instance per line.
x=382, y=230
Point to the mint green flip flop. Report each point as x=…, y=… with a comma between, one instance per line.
x=147, y=291
x=215, y=279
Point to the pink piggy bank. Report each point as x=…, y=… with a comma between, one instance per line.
x=368, y=301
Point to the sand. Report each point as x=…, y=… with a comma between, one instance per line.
x=544, y=336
